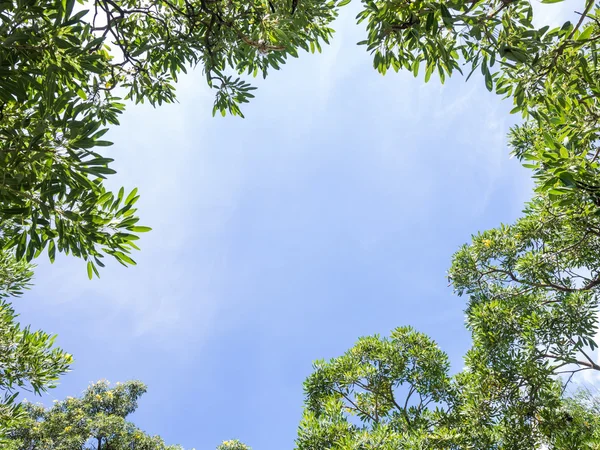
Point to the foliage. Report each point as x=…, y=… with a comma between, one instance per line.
x=157, y=39
x=552, y=75
x=233, y=445
x=96, y=420
x=532, y=310
x=15, y=276
x=532, y=286
x=353, y=402
x=28, y=359
x=53, y=70
x=395, y=393
x=576, y=424
x=383, y=393
x=60, y=70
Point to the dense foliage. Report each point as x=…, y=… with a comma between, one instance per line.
x=95, y=421
x=399, y=389
x=397, y=393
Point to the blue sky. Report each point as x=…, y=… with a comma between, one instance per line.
x=329, y=213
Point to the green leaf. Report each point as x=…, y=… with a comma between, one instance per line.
x=103, y=143
x=123, y=258
x=564, y=153
x=446, y=16
x=98, y=161
x=585, y=34
x=98, y=170
x=428, y=73
x=15, y=211
x=131, y=196
x=558, y=191
x=567, y=179
x=489, y=83
x=139, y=229
x=51, y=251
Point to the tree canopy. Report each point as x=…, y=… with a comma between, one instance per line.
x=531, y=287
x=399, y=389
x=65, y=72
x=95, y=421
x=397, y=393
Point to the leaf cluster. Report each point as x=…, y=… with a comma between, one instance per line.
x=97, y=420
x=28, y=359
